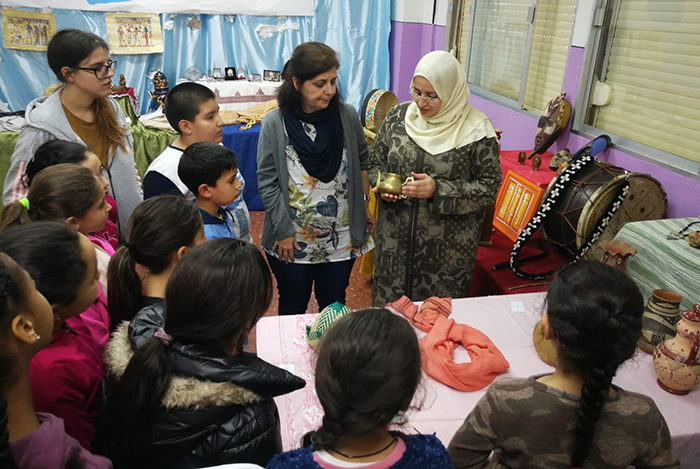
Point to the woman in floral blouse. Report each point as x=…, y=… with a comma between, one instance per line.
x=312, y=177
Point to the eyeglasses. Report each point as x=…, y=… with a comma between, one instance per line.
x=428, y=99
x=101, y=71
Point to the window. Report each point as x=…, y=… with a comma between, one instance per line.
x=643, y=77
x=516, y=49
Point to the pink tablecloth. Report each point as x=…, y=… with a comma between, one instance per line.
x=281, y=341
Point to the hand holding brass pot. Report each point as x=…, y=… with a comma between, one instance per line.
x=392, y=183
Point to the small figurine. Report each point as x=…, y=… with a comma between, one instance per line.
x=122, y=85
x=536, y=162
x=522, y=156
x=160, y=84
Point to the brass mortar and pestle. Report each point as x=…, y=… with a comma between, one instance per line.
x=392, y=183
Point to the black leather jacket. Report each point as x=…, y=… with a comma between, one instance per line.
x=219, y=409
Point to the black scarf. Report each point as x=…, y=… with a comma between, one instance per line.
x=321, y=158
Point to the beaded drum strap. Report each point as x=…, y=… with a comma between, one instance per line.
x=572, y=170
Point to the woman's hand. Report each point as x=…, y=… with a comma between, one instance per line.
x=385, y=196
x=285, y=249
x=423, y=187
x=371, y=225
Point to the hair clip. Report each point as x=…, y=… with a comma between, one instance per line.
x=25, y=202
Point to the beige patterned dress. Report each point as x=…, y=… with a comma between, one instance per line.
x=428, y=247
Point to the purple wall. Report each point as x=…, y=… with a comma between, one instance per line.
x=519, y=134
x=408, y=42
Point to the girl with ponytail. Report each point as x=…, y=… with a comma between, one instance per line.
x=80, y=111
x=29, y=439
x=182, y=392
x=159, y=232
x=574, y=417
x=367, y=372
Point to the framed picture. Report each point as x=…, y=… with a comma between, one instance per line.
x=271, y=75
x=216, y=73
x=230, y=73
x=256, y=77
x=517, y=202
x=27, y=30
x=241, y=73
x=134, y=33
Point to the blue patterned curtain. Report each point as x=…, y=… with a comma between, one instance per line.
x=357, y=29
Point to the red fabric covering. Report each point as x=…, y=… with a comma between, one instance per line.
x=486, y=281
x=444, y=336
x=509, y=161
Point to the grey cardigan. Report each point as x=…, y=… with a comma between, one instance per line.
x=45, y=120
x=273, y=178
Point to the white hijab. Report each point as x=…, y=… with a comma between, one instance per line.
x=457, y=123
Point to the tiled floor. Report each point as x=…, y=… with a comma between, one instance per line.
x=358, y=294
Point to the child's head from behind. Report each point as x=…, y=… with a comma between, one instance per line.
x=217, y=292
x=61, y=261
x=56, y=152
x=209, y=172
x=159, y=232
x=192, y=110
x=215, y=295
x=368, y=370
x=594, y=319
x=65, y=192
x=594, y=313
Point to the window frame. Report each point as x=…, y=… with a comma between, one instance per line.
x=500, y=99
x=600, y=39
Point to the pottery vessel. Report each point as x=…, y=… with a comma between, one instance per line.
x=659, y=320
x=391, y=184
x=676, y=360
x=616, y=253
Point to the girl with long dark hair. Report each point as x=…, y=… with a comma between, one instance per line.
x=367, y=373
x=574, y=417
x=158, y=234
x=184, y=393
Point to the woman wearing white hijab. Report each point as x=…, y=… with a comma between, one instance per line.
x=427, y=239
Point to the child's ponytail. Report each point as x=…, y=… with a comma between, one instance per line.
x=157, y=228
x=133, y=402
x=57, y=193
x=595, y=314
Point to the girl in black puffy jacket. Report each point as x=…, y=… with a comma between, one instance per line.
x=184, y=394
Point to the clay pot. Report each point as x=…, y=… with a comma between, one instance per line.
x=616, y=253
x=659, y=320
x=676, y=360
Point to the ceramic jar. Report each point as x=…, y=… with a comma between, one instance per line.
x=616, y=253
x=676, y=361
x=659, y=320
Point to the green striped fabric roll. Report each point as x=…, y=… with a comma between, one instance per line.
x=662, y=263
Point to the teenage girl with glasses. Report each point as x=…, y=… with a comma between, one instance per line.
x=82, y=112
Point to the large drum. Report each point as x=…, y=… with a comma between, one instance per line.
x=588, y=196
x=586, y=203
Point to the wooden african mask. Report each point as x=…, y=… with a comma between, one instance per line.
x=552, y=122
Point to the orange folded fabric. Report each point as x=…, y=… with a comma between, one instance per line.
x=444, y=336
